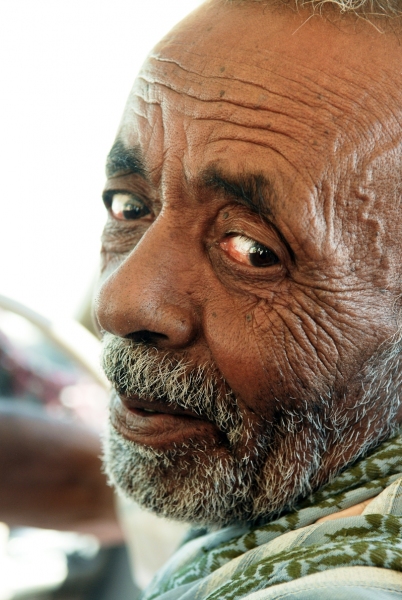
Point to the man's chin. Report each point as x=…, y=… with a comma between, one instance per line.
x=212, y=486
x=190, y=483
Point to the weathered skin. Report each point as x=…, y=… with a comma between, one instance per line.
x=316, y=109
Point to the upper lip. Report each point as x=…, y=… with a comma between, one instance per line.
x=158, y=406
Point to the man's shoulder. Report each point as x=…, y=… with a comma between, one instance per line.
x=296, y=556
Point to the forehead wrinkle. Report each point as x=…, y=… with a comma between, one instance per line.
x=256, y=129
x=345, y=90
x=371, y=103
x=225, y=79
x=238, y=92
x=366, y=97
x=263, y=80
x=267, y=147
x=243, y=107
x=256, y=82
x=311, y=81
x=331, y=118
x=333, y=109
x=277, y=138
x=260, y=119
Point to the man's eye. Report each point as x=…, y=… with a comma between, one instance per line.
x=126, y=207
x=248, y=251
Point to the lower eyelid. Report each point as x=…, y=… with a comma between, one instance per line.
x=240, y=274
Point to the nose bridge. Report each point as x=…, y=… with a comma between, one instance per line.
x=149, y=296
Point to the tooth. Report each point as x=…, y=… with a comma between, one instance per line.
x=149, y=410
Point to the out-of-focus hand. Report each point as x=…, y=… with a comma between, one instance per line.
x=50, y=475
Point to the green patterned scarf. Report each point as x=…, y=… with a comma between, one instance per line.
x=236, y=561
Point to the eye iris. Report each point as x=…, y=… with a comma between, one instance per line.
x=261, y=256
x=134, y=210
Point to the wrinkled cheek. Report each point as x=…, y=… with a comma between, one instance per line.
x=249, y=364
x=295, y=370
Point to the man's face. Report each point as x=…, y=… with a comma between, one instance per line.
x=251, y=261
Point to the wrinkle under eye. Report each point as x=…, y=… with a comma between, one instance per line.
x=249, y=252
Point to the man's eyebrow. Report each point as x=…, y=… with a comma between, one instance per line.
x=123, y=161
x=253, y=190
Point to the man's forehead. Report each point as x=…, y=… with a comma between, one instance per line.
x=301, y=121
x=222, y=40
x=307, y=74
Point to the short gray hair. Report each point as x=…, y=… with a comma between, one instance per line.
x=390, y=9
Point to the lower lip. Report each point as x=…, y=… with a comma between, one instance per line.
x=158, y=430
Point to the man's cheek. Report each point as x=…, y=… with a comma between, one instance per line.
x=295, y=352
x=311, y=346
x=229, y=336
x=261, y=352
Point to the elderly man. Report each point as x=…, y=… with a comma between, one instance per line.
x=251, y=296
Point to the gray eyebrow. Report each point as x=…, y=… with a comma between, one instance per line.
x=122, y=160
x=253, y=190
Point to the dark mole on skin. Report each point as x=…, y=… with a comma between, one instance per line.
x=248, y=318
x=222, y=93
x=225, y=215
x=222, y=69
x=214, y=314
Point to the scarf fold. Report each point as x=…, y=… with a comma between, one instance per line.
x=238, y=560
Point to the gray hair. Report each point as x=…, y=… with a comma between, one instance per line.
x=390, y=9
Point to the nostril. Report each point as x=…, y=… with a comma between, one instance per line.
x=146, y=337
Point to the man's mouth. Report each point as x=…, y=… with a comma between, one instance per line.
x=158, y=424
x=135, y=403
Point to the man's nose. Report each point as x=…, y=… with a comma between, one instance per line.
x=148, y=297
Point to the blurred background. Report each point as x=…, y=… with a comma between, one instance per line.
x=66, y=69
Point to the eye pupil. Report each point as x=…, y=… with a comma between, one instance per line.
x=261, y=256
x=133, y=211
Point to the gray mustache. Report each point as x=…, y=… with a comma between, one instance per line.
x=135, y=369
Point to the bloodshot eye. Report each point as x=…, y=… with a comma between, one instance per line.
x=125, y=206
x=249, y=252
